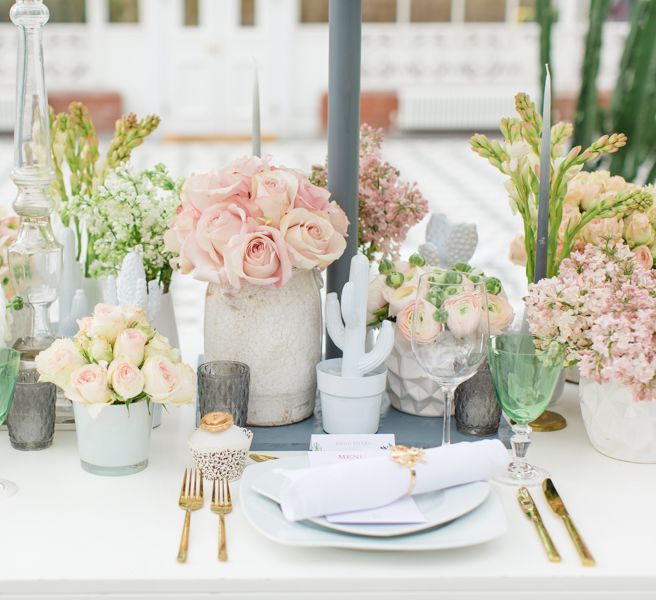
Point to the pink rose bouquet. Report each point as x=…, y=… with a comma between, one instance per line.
x=252, y=222
x=602, y=308
x=117, y=358
x=393, y=294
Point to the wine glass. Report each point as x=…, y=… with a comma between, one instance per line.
x=9, y=364
x=524, y=379
x=449, y=332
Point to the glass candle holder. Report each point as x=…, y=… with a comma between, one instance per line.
x=223, y=386
x=31, y=420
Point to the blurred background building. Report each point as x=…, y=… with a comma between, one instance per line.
x=426, y=64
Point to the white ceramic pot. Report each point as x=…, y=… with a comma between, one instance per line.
x=350, y=404
x=618, y=425
x=165, y=323
x=409, y=387
x=277, y=333
x=116, y=441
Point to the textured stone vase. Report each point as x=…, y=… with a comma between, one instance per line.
x=410, y=389
x=618, y=425
x=277, y=333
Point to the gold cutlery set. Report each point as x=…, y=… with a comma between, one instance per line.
x=558, y=506
x=191, y=498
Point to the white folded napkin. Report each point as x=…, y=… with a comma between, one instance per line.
x=372, y=482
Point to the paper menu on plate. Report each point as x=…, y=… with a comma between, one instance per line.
x=330, y=449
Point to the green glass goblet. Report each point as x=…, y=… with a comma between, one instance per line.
x=524, y=379
x=9, y=365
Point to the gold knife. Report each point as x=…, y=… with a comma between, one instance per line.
x=262, y=457
x=532, y=512
x=558, y=506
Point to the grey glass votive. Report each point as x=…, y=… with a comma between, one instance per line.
x=223, y=385
x=31, y=419
x=478, y=411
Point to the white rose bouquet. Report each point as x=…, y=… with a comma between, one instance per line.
x=117, y=358
x=393, y=294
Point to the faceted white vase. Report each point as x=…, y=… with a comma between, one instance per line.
x=618, y=425
x=116, y=441
x=277, y=333
x=410, y=389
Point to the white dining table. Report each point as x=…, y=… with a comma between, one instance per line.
x=68, y=534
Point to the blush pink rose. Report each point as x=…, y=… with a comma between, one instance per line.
x=338, y=218
x=182, y=225
x=160, y=378
x=312, y=196
x=464, y=313
x=426, y=328
x=107, y=322
x=57, y=362
x=89, y=385
x=205, y=189
x=598, y=230
x=126, y=379
x=216, y=226
x=274, y=193
x=248, y=166
x=130, y=345
x=643, y=256
x=259, y=256
x=311, y=239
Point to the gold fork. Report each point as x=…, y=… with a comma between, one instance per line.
x=221, y=505
x=191, y=498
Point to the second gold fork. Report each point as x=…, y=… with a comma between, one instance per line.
x=221, y=505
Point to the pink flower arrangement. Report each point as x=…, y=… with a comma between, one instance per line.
x=117, y=358
x=252, y=222
x=602, y=307
x=388, y=207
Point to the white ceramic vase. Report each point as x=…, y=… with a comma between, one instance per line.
x=277, y=333
x=116, y=441
x=618, y=425
x=410, y=389
x=350, y=404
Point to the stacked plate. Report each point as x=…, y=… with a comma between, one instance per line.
x=456, y=517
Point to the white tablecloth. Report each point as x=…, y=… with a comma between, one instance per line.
x=69, y=534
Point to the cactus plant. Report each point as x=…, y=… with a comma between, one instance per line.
x=350, y=335
x=633, y=108
x=587, y=115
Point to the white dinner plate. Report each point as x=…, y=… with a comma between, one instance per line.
x=437, y=507
x=484, y=523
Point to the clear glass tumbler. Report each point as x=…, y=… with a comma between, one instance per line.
x=224, y=385
x=31, y=420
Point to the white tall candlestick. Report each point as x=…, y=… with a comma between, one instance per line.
x=541, y=251
x=256, y=135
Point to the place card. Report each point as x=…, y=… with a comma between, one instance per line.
x=332, y=448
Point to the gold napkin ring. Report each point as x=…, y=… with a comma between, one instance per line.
x=408, y=457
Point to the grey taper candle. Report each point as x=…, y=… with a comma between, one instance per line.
x=345, y=33
x=541, y=249
x=256, y=135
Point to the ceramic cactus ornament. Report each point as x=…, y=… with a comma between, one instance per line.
x=130, y=287
x=350, y=335
x=448, y=243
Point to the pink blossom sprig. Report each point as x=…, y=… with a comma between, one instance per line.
x=602, y=307
x=388, y=206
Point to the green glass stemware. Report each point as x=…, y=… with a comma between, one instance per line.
x=524, y=379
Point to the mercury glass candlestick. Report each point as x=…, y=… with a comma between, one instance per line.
x=35, y=257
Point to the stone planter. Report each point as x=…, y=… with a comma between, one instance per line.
x=618, y=425
x=277, y=333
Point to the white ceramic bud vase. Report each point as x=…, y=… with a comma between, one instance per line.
x=277, y=333
x=116, y=441
x=618, y=425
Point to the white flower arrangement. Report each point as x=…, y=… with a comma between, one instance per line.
x=131, y=210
